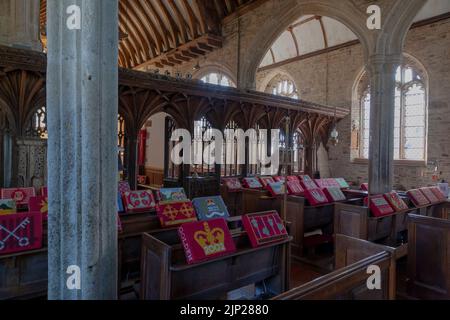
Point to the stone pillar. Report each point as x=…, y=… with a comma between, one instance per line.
x=82, y=100
x=382, y=111
x=19, y=24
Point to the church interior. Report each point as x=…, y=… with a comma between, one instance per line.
x=224, y=150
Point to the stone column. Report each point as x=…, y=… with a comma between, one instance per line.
x=82, y=100
x=19, y=24
x=382, y=111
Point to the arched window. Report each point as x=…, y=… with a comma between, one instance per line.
x=410, y=117
x=218, y=78
x=37, y=127
x=281, y=85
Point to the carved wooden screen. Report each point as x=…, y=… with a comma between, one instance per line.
x=121, y=143
x=200, y=135
x=298, y=156
x=285, y=154
x=172, y=170
x=5, y=151
x=254, y=150
x=231, y=152
x=32, y=152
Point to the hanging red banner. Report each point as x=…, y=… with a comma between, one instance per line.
x=142, y=139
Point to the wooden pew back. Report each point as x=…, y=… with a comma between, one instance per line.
x=165, y=274
x=349, y=280
x=23, y=275
x=259, y=200
x=429, y=257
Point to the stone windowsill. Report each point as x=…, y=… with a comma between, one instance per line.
x=410, y=163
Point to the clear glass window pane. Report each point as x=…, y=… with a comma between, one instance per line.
x=398, y=74
x=213, y=78
x=409, y=121
x=413, y=143
x=285, y=88
x=414, y=121
x=408, y=75
x=218, y=79
x=415, y=132
x=414, y=154
x=415, y=110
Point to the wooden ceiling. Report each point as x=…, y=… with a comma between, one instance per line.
x=167, y=32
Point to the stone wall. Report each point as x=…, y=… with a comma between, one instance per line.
x=329, y=78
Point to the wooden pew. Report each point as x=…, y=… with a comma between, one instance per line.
x=129, y=245
x=129, y=255
x=429, y=258
x=166, y=276
x=440, y=211
x=356, y=221
x=349, y=280
x=354, y=194
x=305, y=218
x=23, y=275
x=233, y=201
x=258, y=200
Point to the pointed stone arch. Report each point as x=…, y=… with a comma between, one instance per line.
x=287, y=12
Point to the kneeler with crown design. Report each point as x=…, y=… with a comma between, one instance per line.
x=206, y=240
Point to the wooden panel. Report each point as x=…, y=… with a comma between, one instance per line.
x=349, y=282
x=233, y=201
x=23, y=275
x=258, y=201
x=380, y=227
x=306, y=219
x=351, y=220
x=201, y=186
x=155, y=176
x=349, y=250
x=294, y=209
x=429, y=257
x=355, y=221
